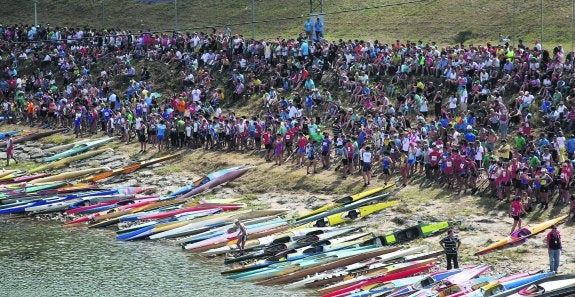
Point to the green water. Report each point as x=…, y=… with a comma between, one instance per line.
x=44, y=259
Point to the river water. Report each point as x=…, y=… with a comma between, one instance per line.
x=40, y=259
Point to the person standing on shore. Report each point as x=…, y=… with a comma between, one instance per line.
x=553, y=240
x=10, y=150
x=451, y=244
x=242, y=235
x=516, y=209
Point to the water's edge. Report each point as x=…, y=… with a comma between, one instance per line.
x=45, y=259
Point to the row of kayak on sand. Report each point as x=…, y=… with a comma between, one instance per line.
x=319, y=250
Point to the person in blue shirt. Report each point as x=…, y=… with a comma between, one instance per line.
x=318, y=29
x=161, y=127
x=570, y=147
x=308, y=26
x=325, y=150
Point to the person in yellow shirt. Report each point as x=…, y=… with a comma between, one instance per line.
x=504, y=153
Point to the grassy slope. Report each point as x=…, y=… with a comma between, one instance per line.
x=436, y=20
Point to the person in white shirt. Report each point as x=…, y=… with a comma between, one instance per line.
x=366, y=157
x=452, y=104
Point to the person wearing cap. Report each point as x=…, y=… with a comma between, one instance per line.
x=451, y=244
x=554, y=247
x=242, y=235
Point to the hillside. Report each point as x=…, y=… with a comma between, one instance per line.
x=442, y=21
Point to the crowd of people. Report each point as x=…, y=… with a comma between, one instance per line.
x=494, y=118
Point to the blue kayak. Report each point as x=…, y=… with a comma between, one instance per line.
x=4, y=134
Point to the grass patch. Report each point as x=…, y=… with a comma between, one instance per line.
x=522, y=251
x=58, y=139
x=167, y=170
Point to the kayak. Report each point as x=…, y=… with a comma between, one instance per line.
x=4, y=134
x=343, y=201
x=66, y=161
x=224, y=178
x=421, y=230
x=520, y=236
x=552, y=286
x=350, y=215
x=4, y=173
x=502, y=285
x=381, y=279
x=129, y=168
x=33, y=136
x=79, y=149
x=356, y=272
x=64, y=147
x=364, y=255
x=70, y=175
x=456, y=279
x=163, y=215
x=345, y=207
x=203, y=180
x=281, y=269
x=31, y=189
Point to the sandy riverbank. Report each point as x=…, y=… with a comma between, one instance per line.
x=483, y=220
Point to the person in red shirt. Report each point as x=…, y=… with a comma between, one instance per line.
x=565, y=177
x=434, y=158
x=301, y=149
x=449, y=170
x=515, y=210
x=267, y=139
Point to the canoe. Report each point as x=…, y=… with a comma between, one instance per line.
x=345, y=200
x=129, y=168
x=421, y=230
x=520, y=236
x=226, y=177
x=367, y=254
x=70, y=175
x=346, y=207
x=79, y=149
x=33, y=136
x=4, y=134
x=350, y=215
x=66, y=161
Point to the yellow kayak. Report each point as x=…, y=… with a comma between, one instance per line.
x=349, y=215
x=518, y=237
x=71, y=175
x=345, y=200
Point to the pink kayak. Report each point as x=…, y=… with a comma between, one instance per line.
x=25, y=178
x=167, y=214
x=229, y=176
x=127, y=199
x=500, y=280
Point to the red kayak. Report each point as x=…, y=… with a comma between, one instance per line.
x=381, y=279
x=163, y=215
x=119, y=208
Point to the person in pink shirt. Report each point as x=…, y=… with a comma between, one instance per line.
x=515, y=210
x=565, y=177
